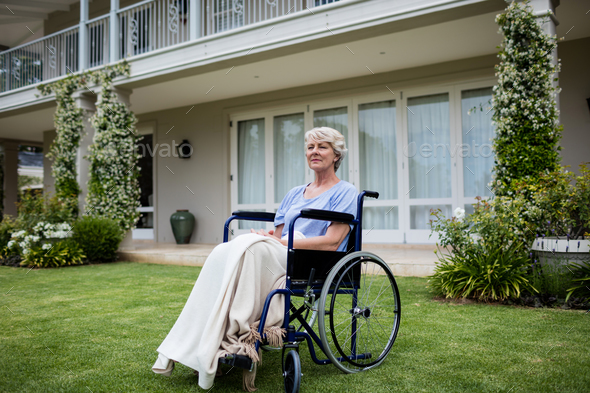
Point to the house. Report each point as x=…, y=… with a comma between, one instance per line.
x=242, y=80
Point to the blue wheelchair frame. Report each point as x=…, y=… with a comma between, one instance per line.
x=298, y=290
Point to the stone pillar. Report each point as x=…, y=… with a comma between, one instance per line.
x=10, y=177
x=85, y=100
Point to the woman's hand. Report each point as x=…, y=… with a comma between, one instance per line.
x=269, y=234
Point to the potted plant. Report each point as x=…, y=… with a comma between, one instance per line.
x=559, y=210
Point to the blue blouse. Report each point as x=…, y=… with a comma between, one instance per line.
x=341, y=197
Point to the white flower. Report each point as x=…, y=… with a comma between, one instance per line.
x=11, y=243
x=459, y=213
x=18, y=234
x=64, y=226
x=47, y=246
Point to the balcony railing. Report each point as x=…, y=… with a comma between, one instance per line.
x=50, y=57
x=152, y=25
x=140, y=28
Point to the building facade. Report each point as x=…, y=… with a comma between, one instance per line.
x=409, y=84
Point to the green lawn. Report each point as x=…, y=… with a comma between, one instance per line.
x=96, y=328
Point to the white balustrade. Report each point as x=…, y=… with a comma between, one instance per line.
x=151, y=25
x=49, y=57
x=98, y=41
x=223, y=15
x=143, y=27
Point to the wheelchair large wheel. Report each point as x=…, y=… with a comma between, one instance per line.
x=359, y=312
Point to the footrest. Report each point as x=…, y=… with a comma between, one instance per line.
x=239, y=361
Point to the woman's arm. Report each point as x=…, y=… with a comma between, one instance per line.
x=335, y=234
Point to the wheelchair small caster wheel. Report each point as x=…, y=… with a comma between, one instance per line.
x=292, y=372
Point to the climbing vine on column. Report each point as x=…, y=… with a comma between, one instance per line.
x=69, y=128
x=525, y=112
x=113, y=188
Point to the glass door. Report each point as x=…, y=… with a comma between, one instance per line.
x=379, y=168
x=428, y=152
x=477, y=133
x=144, y=228
x=338, y=118
x=251, y=173
x=289, y=154
x=270, y=161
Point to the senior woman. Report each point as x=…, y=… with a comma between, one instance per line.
x=223, y=311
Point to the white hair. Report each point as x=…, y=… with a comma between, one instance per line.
x=331, y=136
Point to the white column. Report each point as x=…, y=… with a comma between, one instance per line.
x=114, y=32
x=540, y=9
x=83, y=37
x=10, y=177
x=195, y=19
x=84, y=100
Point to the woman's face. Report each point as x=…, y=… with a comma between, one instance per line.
x=320, y=155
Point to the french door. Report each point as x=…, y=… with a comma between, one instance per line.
x=421, y=149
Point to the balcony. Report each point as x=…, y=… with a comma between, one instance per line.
x=131, y=31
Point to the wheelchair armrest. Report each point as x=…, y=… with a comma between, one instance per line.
x=263, y=216
x=326, y=215
x=248, y=216
x=371, y=194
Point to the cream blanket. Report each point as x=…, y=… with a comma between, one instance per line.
x=226, y=301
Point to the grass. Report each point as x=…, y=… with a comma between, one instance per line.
x=96, y=328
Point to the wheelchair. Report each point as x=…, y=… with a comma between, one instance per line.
x=352, y=296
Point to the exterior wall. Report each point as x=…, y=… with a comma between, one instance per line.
x=206, y=126
x=574, y=80
x=205, y=174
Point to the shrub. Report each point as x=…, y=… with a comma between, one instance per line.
x=41, y=236
x=494, y=225
x=7, y=227
x=581, y=281
x=61, y=253
x=98, y=237
x=497, y=275
x=33, y=209
x=559, y=204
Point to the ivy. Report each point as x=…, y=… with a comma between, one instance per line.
x=525, y=116
x=113, y=188
x=69, y=127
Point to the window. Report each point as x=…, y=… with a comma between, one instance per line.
x=477, y=133
x=337, y=119
x=289, y=154
x=424, y=150
x=378, y=161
